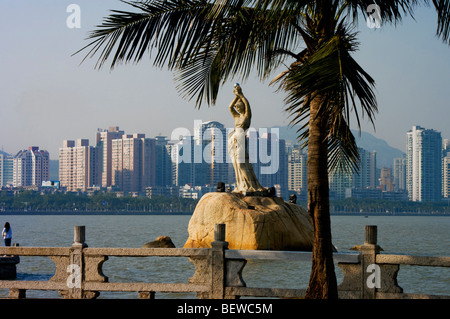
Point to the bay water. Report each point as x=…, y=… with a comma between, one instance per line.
x=413, y=235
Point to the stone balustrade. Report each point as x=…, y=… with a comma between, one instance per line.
x=218, y=270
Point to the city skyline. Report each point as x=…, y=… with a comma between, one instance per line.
x=134, y=163
x=286, y=133
x=45, y=92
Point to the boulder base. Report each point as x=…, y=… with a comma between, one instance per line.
x=160, y=242
x=252, y=222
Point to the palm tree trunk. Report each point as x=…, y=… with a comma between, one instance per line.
x=322, y=282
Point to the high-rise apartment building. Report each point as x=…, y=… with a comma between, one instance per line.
x=399, y=172
x=339, y=183
x=183, y=168
x=445, y=168
x=133, y=162
x=386, y=180
x=366, y=177
x=211, y=165
x=163, y=170
x=446, y=176
x=445, y=147
x=104, y=144
x=423, y=164
x=6, y=170
x=201, y=159
x=297, y=170
x=78, y=165
x=30, y=167
x=269, y=160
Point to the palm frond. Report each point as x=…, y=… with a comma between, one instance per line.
x=390, y=11
x=343, y=155
x=331, y=73
x=173, y=27
x=443, y=22
x=248, y=40
x=201, y=77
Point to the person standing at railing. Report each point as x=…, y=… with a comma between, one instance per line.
x=7, y=234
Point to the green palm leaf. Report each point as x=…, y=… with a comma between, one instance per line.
x=332, y=74
x=173, y=28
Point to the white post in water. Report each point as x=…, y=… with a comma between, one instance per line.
x=370, y=235
x=79, y=238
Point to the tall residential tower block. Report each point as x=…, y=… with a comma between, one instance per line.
x=31, y=167
x=423, y=164
x=79, y=165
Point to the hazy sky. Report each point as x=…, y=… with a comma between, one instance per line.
x=46, y=96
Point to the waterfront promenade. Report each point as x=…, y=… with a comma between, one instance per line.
x=368, y=274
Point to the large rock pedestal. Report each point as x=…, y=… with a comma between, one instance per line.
x=252, y=222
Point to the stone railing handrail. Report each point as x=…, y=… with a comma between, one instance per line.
x=218, y=270
x=146, y=252
x=352, y=257
x=35, y=251
x=430, y=261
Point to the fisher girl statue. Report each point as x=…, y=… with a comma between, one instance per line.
x=246, y=180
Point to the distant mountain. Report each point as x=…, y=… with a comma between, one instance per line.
x=385, y=152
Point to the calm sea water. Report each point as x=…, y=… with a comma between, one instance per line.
x=418, y=235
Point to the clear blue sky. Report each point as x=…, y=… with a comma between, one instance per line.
x=46, y=96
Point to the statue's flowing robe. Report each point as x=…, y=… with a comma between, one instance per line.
x=246, y=180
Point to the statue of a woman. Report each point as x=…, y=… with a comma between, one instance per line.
x=246, y=180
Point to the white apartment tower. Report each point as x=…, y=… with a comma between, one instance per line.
x=446, y=176
x=446, y=168
x=30, y=167
x=78, y=165
x=423, y=164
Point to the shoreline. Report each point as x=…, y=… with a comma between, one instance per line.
x=96, y=213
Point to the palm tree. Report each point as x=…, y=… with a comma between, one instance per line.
x=206, y=43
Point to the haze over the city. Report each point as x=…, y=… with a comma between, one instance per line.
x=47, y=96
